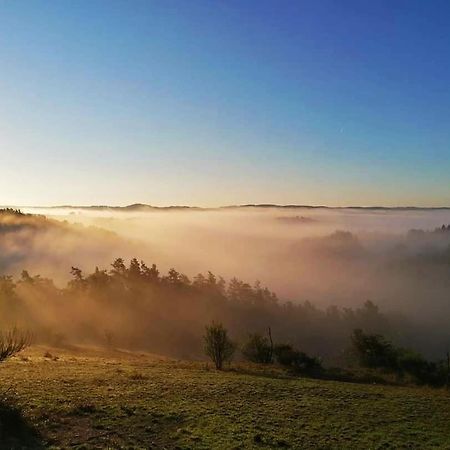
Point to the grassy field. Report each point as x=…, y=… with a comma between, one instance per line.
x=122, y=400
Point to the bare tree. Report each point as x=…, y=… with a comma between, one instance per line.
x=271, y=344
x=13, y=342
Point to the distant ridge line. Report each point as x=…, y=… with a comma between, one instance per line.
x=146, y=207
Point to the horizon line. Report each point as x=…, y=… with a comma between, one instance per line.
x=235, y=206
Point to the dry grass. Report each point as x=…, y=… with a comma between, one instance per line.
x=90, y=399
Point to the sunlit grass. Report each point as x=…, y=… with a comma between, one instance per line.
x=122, y=399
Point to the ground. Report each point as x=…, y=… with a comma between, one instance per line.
x=91, y=399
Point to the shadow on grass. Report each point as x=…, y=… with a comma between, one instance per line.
x=329, y=374
x=256, y=372
x=15, y=431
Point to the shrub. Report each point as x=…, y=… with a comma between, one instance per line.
x=258, y=349
x=297, y=360
x=422, y=371
x=285, y=354
x=307, y=364
x=217, y=344
x=13, y=342
x=374, y=351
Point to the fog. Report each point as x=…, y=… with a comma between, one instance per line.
x=300, y=253
x=310, y=257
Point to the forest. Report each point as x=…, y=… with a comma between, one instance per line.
x=136, y=306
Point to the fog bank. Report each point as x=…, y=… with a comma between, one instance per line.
x=326, y=256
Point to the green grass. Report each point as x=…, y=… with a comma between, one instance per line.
x=121, y=400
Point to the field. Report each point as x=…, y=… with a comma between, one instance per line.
x=91, y=399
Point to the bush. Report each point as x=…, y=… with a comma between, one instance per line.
x=258, y=349
x=374, y=351
x=217, y=344
x=296, y=360
x=284, y=354
x=422, y=371
x=13, y=342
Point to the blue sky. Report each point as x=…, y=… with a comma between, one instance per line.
x=214, y=102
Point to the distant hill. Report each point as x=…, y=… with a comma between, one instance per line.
x=37, y=243
x=142, y=207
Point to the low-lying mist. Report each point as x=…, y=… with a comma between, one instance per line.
x=399, y=259
x=302, y=254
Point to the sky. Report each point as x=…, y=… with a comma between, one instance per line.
x=214, y=103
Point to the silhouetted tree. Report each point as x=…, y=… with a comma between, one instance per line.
x=118, y=268
x=258, y=349
x=77, y=283
x=217, y=344
x=134, y=271
x=150, y=274
x=374, y=351
x=25, y=277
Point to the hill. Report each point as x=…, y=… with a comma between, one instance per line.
x=38, y=243
x=144, y=207
x=127, y=400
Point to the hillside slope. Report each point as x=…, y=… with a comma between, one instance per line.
x=50, y=247
x=123, y=400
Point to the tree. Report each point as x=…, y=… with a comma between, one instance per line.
x=75, y=271
x=78, y=282
x=134, y=270
x=217, y=344
x=26, y=278
x=98, y=280
x=374, y=351
x=173, y=277
x=13, y=342
x=150, y=274
x=118, y=268
x=258, y=349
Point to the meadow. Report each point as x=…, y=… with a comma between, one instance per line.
x=91, y=398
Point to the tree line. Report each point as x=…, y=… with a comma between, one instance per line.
x=134, y=305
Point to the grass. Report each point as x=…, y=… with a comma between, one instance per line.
x=124, y=400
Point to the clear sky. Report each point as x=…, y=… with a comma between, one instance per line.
x=224, y=102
